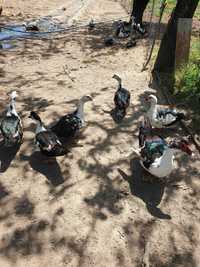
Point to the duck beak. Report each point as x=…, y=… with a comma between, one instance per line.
x=90, y=98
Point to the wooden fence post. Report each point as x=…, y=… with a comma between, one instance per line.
x=183, y=37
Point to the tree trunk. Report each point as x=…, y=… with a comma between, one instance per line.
x=165, y=61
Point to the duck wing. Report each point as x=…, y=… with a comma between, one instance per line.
x=47, y=140
x=153, y=149
x=122, y=98
x=67, y=126
x=169, y=117
x=11, y=128
x=50, y=144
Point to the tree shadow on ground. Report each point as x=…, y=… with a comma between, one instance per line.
x=24, y=207
x=24, y=241
x=150, y=193
x=3, y=192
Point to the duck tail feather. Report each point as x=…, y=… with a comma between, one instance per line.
x=56, y=152
x=61, y=151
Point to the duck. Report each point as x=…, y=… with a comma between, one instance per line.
x=161, y=118
x=156, y=155
x=121, y=30
x=31, y=26
x=121, y=99
x=138, y=27
x=91, y=25
x=69, y=125
x=47, y=140
x=11, y=128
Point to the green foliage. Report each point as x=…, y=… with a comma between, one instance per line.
x=188, y=81
x=187, y=86
x=170, y=6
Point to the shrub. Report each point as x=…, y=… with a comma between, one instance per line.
x=187, y=86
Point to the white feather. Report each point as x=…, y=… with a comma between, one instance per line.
x=13, y=95
x=11, y=108
x=162, y=166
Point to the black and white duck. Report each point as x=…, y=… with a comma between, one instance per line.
x=121, y=99
x=47, y=140
x=160, y=118
x=69, y=125
x=11, y=128
x=136, y=25
x=156, y=155
x=121, y=29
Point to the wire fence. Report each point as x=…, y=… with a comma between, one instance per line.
x=127, y=5
x=63, y=30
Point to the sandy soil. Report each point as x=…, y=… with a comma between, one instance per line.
x=89, y=208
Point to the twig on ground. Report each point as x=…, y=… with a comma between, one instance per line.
x=65, y=68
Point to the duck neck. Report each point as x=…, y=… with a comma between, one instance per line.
x=12, y=109
x=120, y=85
x=80, y=110
x=40, y=127
x=153, y=108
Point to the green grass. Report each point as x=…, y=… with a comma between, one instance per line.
x=170, y=5
x=188, y=77
x=187, y=84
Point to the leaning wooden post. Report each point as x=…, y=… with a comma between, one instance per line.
x=183, y=38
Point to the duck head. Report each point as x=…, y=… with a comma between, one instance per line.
x=116, y=77
x=152, y=99
x=11, y=108
x=182, y=144
x=13, y=95
x=86, y=98
x=34, y=116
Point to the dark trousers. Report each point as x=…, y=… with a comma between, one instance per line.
x=138, y=9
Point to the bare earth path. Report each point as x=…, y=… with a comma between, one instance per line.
x=89, y=208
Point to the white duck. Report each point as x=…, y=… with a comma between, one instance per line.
x=11, y=124
x=160, y=118
x=156, y=155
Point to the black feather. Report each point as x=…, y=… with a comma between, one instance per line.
x=122, y=98
x=163, y=113
x=35, y=116
x=50, y=144
x=9, y=126
x=179, y=117
x=67, y=126
x=152, y=146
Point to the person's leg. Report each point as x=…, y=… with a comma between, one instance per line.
x=138, y=10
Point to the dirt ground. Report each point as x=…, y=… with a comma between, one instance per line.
x=90, y=207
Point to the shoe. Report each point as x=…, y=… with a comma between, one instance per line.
x=138, y=27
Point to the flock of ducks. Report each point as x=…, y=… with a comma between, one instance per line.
x=156, y=155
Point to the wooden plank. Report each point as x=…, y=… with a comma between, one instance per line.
x=183, y=38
